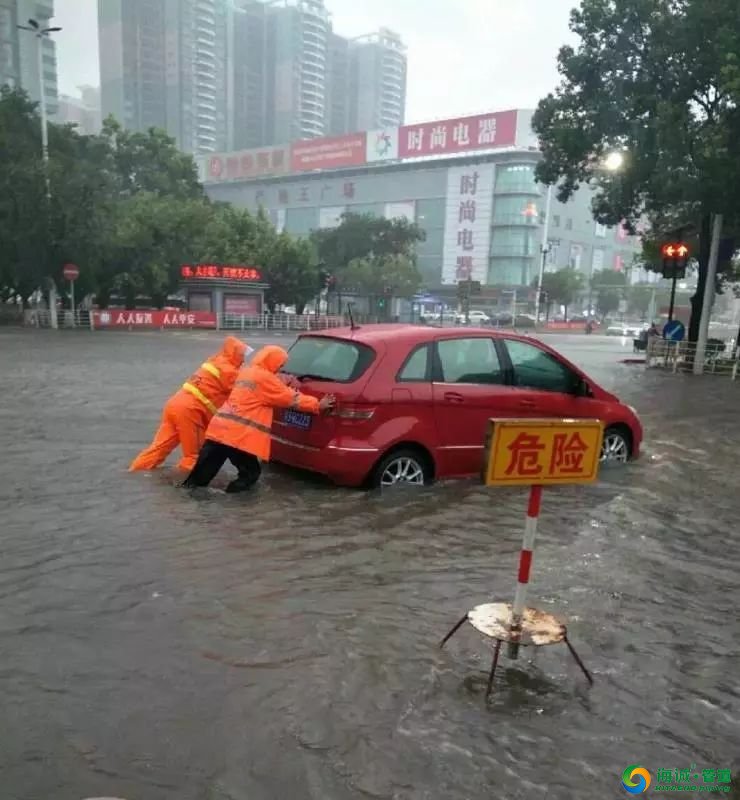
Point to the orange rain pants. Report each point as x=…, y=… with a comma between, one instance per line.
x=184, y=422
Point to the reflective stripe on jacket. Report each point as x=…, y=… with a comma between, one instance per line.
x=245, y=419
x=212, y=382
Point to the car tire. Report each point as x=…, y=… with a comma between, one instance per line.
x=617, y=446
x=401, y=467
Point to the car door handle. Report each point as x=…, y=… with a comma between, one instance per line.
x=453, y=397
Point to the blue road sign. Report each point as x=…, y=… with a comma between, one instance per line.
x=674, y=331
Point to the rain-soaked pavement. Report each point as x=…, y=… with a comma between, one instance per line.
x=284, y=645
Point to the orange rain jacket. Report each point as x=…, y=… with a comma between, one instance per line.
x=187, y=413
x=245, y=419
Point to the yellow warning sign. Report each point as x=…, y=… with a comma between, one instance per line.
x=523, y=452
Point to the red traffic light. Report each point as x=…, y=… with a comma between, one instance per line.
x=674, y=250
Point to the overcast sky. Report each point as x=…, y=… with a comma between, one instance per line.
x=465, y=56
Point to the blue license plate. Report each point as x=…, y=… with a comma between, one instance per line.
x=297, y=419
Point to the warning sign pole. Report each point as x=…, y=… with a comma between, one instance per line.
x=525, y=566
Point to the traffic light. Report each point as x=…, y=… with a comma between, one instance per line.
x=675, y=258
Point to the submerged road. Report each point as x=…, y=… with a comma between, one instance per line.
x=158, y=646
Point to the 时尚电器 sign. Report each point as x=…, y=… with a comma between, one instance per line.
x=524, y=452
x=468, y=211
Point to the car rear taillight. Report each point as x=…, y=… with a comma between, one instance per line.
x=354, y=413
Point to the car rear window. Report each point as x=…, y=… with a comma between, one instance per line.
x=323, y=358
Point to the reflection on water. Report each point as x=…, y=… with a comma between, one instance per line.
x=285, y=645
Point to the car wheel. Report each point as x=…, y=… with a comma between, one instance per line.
x=402, y=467
x=616, y=448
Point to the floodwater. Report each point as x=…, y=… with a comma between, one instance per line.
x=283, y=645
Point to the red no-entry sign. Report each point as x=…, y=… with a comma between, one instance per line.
x=71, y=272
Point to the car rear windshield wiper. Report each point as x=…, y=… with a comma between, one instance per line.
x=310, y=376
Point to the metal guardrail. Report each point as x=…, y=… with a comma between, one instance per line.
x=720, y=358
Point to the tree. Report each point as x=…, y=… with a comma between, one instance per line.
x=562, y=287
x=610, y=285
x=383, y=277
x=365, y=236
x=660, y=81
x=291, y=269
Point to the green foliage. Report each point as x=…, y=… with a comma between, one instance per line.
x=610, y=285
x=562, y=287
x=366, y=253
x=660, y=81
x=127, y=208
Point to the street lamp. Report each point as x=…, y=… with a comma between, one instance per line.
x=545, y=247
x=40, y=33
x=614, y=161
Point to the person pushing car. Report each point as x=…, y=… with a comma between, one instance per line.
x=187, y=413
x=240, y=430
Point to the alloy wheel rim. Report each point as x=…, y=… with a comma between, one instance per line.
x=614, y=448
x=402, y=470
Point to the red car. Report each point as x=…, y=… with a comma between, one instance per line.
x=413, y=402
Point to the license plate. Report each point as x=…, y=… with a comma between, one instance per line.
x=297, y=419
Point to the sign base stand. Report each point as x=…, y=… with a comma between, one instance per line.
x=538, y=628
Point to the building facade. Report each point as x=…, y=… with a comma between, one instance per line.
x=482, y=216
x=82, y=111
x=18, y=55
x=163, y=65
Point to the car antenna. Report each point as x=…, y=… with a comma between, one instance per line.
x=352, y=325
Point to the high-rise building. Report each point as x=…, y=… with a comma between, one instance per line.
x=162, y=64
x=18, y=54
x=235, y=74
x=378, y=80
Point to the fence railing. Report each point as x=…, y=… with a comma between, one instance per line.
x=719, y=357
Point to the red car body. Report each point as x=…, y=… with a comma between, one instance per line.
x=430, y=391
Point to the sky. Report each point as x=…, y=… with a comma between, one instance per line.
x=465, y=56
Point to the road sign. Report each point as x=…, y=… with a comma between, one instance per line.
x=71, y=272
x=674, y=331
x=541, y=452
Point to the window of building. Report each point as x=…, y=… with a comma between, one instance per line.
x=536, y=369
x=576, y=256
x=556, y=220
x=515, y=210
x=469, y=361
x=600, y=231
x=516, y=178
x=597, y=260
x=509, y=271
x=569, y=224
x=513, y=242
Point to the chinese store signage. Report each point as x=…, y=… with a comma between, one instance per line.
x=222, y=272
x=337, y=151
x=115, y=318
x=468, y=209
x=543, y=452
x=245, y=164
x=483, y=132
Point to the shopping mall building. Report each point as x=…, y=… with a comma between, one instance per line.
x=469, y=183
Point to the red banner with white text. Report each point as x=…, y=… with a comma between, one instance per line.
x=117, y=318
x=447, y=136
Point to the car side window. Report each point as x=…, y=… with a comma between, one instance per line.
x=416, y=367
x=473, y=360
x=537, y=369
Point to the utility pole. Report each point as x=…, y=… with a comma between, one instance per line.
x=545, y=247
x=706, y=306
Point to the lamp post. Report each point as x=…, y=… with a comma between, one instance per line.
x=40, y=34
x=545, y=247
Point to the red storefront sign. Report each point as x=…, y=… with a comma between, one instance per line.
x=244, y=164
x=220, y=272
x=482, y=132
x=115, y=318
x=337, y=151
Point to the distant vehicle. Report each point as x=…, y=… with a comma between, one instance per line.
x=475, y=316
x=632, y=329
x=413, y=401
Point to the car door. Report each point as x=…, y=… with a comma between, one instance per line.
x=469, y=388
x=544, y=385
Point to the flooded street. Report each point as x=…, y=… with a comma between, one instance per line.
x=158, y=646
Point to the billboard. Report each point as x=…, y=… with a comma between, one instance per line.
x=445, y=137
x=244, y=164
x=382, y=145
x=329, y=153
x=468, y=211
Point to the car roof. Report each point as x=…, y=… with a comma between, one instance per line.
x=376, y=333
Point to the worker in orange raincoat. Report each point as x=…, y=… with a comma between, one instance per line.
x=240, y=430
x=187, y=413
